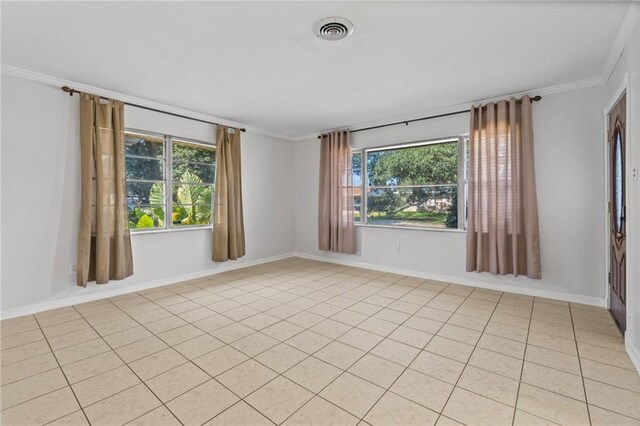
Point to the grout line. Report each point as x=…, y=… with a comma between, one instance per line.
x=524, y=360
x=584, y=386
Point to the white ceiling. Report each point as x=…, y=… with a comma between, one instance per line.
x=260, y=64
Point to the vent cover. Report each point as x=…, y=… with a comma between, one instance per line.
x=333, y=28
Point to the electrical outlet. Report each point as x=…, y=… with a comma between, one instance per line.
x=73, y=267
x=396, y=248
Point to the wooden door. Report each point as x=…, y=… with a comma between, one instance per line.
x=617, y=210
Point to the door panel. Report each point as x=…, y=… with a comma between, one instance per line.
x=617, y=119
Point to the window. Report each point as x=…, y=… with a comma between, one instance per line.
x=412, y=185
x=170, y=181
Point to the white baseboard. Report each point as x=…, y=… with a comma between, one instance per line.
x=462, y=281
x=634, y=353
x=95, y=293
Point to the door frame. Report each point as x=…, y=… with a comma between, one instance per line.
x=628, y=182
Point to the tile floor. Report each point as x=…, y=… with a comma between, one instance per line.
x=299, y=342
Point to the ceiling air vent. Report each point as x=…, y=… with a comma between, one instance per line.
x=333, y=28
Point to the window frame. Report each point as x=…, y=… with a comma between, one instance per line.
x=462, y=163
x=167, y=145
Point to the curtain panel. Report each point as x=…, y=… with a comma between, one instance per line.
x=228, y=221
x=502, y=226
x=336, y=230
x=104, y=243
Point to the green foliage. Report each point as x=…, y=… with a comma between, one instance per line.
x=435, y=164
x=192, y=203
x=452, y=214
x=145, y=222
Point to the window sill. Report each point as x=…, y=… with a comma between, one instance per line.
x=412, y=228
x=171, y=230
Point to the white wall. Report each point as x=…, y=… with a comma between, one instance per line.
x=568, y=152
x=628, y=67
x=40, y=199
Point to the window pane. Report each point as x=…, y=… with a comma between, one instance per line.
x=430, y=207
x=193, y=172
x=356, y=160
x=193, y=162
x=192, y=194
x=357, y=204
x=191, y=215
x=144, y=168
x=143, y=146
x=418, y=165
x=145, y=193
x=146, y=217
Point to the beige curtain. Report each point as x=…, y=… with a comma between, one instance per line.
x=335, y=205
x=104, y=245
x=502, y=227
x=228, y=222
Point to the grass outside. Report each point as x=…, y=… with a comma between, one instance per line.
x=415, y=219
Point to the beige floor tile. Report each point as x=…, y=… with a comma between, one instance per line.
x=157, y=417
x=180, y=334
x=320, y=412
x=331, y=329
x=472, y=409
x=446, y=421
x=554, y=343
x=254, y=344
x=281, y=357
x=348, y=317
x=196, y=314
x=384, y=328
x=41, y=410
x=282, y=330
x=140, y=349
x=122, y=407
x=496, y=363
x=157, y=363
x=23, y=352
x=507, y=331
x=278, y=399
x=377, y=370
x=260, y=321
x=111, y=327
x=177, y=381
x=127, y=337
x=613, y=398
x=76, y=418
x=232, y=332
x=523, y=418
x=360, y=339
x=353, y=394
x=553, y=380
x=31, y=387
x=202, y=403
x=450, y=348
x=490, y=385
x=339, y=354
x=424, y=390
x=606, y=356
x=91, y=366
x=395, y=351
x=611, y=375
x=553, y=359
x=308, y=341
x=241, y=414
x=434, y=314
x=601, y=417
x=392, y=409
x=104, y=385
x=313, y=374
x=220, y=360
x=459, y=334
x=29, y=367
x=246, y=377
x=199, y=346
x=437, y=366
x=410, y=336
x=552, y=406
x=502, y=345
x=213, y=322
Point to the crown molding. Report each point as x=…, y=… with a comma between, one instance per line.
x=622, y=38
x=549, y=90
x=59, y=82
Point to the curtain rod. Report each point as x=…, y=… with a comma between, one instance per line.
x=71, y=92
x=406, y=122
